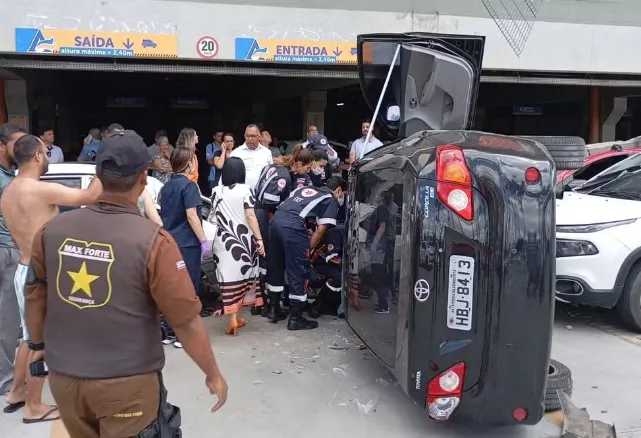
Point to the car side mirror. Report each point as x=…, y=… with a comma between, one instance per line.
x=394, y=113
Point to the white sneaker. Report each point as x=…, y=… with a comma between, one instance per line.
x=169, y=340
x=178, y=344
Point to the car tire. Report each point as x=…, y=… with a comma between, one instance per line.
x=567, y=152
x=629, y=305
x=559, y=378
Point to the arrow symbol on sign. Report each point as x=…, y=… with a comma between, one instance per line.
x=353, y=51
x=128, y=44
x=337, y=52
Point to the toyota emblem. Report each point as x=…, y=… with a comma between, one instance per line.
x=421, y=290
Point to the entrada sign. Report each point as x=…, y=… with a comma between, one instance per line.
x=86, y=43
x=312, y=52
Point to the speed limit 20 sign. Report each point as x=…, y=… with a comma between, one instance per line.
x=207, y=47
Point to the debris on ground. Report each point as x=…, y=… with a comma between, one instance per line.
x=256, y=383
x=366, y=408
x=339, y=372
x=277, y=372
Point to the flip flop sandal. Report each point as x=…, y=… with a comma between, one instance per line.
x=10, y=408
x=42, y=419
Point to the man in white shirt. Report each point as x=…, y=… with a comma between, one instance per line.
x=254, y=155
x=358, y=148
x=334, y=159
x=54, y=153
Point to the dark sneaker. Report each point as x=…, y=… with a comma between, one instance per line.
x=314, y=312
x=206, y=313
x=381, y=310
x=300, y=323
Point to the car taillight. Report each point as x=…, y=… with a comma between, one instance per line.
x=444, y=392
x=532, y=175
x=454, y=181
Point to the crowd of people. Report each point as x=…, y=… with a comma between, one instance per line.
x=274, y=215
x=62, y=283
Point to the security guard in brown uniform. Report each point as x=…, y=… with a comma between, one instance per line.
x=99, y=277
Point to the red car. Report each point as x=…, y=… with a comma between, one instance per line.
x=595, y=164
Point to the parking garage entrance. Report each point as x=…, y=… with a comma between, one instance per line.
x=73, y=95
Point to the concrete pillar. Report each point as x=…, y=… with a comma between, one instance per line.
x=595, y=114
x=314, y=103
x=17, y=103
x=3, y=103
x=608, y=130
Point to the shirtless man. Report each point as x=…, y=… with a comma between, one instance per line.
x=27, y=204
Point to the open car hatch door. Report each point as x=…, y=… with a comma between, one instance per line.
x=433, y=83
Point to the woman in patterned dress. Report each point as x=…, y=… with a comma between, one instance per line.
x=237, y=244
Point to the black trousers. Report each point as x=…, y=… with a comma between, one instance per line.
x=262, y=216
x=288, y=253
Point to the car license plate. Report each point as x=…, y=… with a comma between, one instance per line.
x=460, y=296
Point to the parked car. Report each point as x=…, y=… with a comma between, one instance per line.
x=79, y=175
x=593, y=165
x=476, y=229
x=598, y=246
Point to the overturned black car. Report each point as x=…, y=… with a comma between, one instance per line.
x=470, y=245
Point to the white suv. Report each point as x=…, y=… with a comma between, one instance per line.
x=598, y=246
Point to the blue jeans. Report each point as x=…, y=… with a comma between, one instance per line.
x=9, y=316
x=211, y=184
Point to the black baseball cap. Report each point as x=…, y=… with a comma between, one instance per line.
x=318, y=141
x=122, y=154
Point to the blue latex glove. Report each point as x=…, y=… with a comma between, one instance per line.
x=205, y=248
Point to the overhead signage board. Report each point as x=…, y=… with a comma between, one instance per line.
x=96, y=44
x=190, y=102
x=126, y=102
x=523, y=110
x=292, y=51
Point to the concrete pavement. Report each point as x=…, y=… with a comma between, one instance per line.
x=320, y=384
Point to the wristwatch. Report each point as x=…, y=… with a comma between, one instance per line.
x=36, y=347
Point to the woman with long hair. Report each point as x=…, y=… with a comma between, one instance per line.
x=181, y=212
x=237, y=244
x=189, y=138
